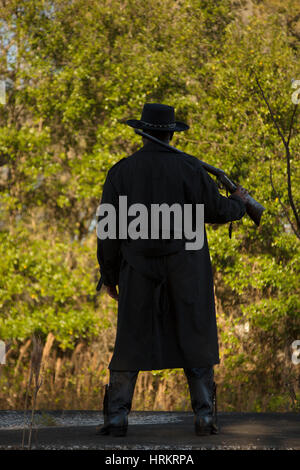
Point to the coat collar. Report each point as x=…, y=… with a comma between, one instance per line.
x=154, y=147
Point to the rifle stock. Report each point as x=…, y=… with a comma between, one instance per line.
x=253, y=208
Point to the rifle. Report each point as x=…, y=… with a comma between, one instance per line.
x=253, y=208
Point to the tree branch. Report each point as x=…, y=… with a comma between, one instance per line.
x=288, y=158
x=283, y=207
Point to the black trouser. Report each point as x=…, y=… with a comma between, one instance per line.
x=201, y=386
x=200, y=380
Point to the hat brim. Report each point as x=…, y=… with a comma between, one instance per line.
x=137, y=124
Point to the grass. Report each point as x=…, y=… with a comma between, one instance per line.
x=75, y=379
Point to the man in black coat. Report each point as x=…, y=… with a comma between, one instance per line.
x=166, y=311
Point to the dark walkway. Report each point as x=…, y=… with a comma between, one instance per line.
x=153, y=430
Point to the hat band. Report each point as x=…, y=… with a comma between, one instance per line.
x=170, y=126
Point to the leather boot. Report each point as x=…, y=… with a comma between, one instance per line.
x=117, y=403
x=203, y=399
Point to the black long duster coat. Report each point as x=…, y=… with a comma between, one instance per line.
x=166, y=311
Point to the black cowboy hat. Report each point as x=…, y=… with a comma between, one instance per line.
x=158, y=117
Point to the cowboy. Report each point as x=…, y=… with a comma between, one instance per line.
x=166, y=310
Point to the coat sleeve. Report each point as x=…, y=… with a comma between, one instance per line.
x=218, y=209
x=108, y=250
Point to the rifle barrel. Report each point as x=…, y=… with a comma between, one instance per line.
x=253, y=207
x=215, y=171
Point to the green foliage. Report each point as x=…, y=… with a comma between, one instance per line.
x=77, y=70
x=46, y=285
